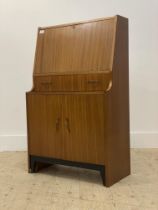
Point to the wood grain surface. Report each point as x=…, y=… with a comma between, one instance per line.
x=76, y=48
x=78, y=109
x=73, y=82
x=64, y=126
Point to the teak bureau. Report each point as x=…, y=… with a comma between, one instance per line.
x=78, y=108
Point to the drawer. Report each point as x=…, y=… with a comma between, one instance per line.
x=43, y=83
x=81, y=82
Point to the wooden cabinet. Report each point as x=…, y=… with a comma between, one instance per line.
x=65, y=126
x=78, y=108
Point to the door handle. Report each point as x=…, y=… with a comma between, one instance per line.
x=67, y=123
x=57, y=124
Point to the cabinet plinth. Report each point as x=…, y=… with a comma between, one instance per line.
x=78, y=108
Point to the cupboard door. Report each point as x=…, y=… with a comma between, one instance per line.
x=84, y=128
x=44, y=125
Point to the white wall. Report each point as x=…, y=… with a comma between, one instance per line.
x=19, y=20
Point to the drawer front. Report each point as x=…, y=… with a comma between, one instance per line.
x=84, y=82
x=43, y=83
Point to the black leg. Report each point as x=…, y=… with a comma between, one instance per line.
x=32, y=165
x=37, y=163
x=102, y=173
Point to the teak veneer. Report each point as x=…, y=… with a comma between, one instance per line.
x=78, y=108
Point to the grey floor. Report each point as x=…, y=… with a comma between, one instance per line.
x=66, y=188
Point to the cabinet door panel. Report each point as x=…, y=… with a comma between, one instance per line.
x=84, y=128
x=44, y=125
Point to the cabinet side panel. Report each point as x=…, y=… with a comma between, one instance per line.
x=39, y=53
x=27, y=117
x=117, y=145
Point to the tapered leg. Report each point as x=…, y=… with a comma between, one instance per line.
x=105, y=177
x=112, y=176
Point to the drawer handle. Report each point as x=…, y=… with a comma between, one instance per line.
x=46, y=83
x=93, y=81
x=67, y=123
x=57, y=123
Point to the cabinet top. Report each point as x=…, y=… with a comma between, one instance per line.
x=77, y=23
x=83, y=47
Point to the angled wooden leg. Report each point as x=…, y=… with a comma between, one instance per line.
x=111, y=177
x=105, y=177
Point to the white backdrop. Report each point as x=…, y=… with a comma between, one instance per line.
x=19, y=20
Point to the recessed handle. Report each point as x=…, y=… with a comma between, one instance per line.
x=46, y=83
x=57, y=124
x=93, y=81
x=67, y=123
